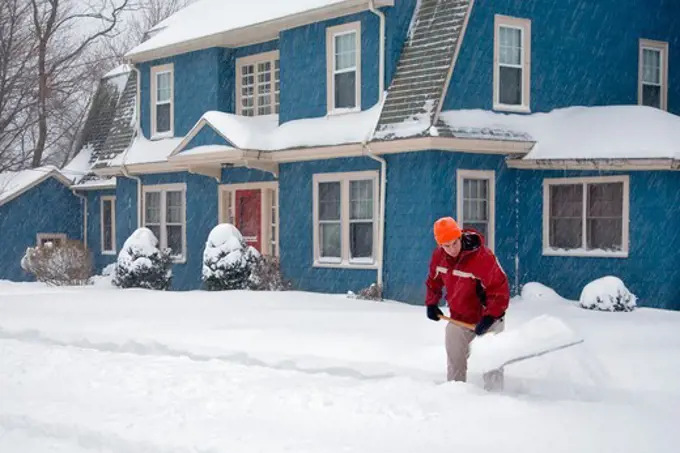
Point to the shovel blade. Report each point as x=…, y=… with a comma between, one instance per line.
x=539, y=336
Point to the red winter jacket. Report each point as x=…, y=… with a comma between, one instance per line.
x=475, y=283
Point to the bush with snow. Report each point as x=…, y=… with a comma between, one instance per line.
x=607, y=294
x=228, y=261
x=69, y=263
x=141, y=264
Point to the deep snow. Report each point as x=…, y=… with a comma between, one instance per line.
x=103, y=369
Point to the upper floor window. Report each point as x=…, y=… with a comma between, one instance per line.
x=653, y=74
x=343, y=50
x=258, y=84
x=512, y=63
x=586, y=216
x=162, y=101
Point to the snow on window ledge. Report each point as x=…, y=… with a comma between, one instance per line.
x=593, y=253
x=353, y=264
x=162, y=136
x=346, y=111
x=512, y=108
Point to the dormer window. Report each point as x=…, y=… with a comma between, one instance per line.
x=258, y=84
x=343, y=48
x=162, y=101
x=653, y=74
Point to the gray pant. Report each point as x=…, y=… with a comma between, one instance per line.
x=458, y=350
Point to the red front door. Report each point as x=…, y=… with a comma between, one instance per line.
x=248, y=216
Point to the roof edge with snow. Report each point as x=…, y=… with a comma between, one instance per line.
x=48, y=172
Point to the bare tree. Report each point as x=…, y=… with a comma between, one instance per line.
x=17, y=92
x=64, y=31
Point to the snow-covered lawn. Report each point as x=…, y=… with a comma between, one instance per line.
x=100, y=369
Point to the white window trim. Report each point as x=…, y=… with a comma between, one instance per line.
x=344, y=180
x=525, y=26
x=265, y=211
x=154, y=73
x=112, y=199
x=661, y=47
x=254, y=60
x=331, y=33
x=163, y=189
x=490, y=176
x=40, y=236
x=582, y=252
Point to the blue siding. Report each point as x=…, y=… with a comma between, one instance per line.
x=296, y=234
x=196, y=88
x=303, y=66
x=49, y=207
x=421, y=187
x=206, y=136
x=652, y=269
x=94, y=224
x=582, y=52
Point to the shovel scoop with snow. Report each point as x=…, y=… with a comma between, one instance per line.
x=539, y=336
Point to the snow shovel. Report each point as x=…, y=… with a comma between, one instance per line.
x=539, y=336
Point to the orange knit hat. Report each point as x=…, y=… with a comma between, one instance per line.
x=446, y=230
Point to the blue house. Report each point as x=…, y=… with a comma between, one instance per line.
x=333, y=133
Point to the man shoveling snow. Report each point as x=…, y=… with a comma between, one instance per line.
x=478, y=295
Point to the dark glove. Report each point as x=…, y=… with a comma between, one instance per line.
x=484, y=325
x=433, y=312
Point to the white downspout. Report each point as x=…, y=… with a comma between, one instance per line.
x=383, y=162
x=138, y=130
x=84, y=198
x=381, y=81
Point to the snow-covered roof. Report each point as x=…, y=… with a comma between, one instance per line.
x=13, y=184
x=606, y=132
x=208, y=23
x=145, y=151
x=265, y=134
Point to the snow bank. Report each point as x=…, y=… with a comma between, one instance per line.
x=583, y=132
x=607, y=294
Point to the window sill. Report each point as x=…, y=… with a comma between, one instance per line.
x=162, y=136
x=109, y=252
x=512, y=108
x=339, y=112
x=581, y=253
x=179, y=260
x=345, y=265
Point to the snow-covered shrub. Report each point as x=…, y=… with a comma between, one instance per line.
x=69, y=263
x=373, y=292
x=141, y=264
x=607, y=294
x=228, y=261
x=267, y=276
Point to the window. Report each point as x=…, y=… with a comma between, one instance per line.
x=108, y=225
x=55, y=239
x=476, y=200
x=165, y=216
x=653, y=74
x=345, y=219
x=162, y=99
x=343, y=48
x=586, y=216
x=258, y=84
x=273, y=196
x=512, y=63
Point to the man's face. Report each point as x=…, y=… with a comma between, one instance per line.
x=452, y=248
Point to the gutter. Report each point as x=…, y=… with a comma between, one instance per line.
x=381, y=81
x=138, y=130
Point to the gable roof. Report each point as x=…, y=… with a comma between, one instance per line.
x=13, y=184
x=230, y=23
x=414, y=98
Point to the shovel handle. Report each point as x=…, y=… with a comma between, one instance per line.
x=458, y=323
